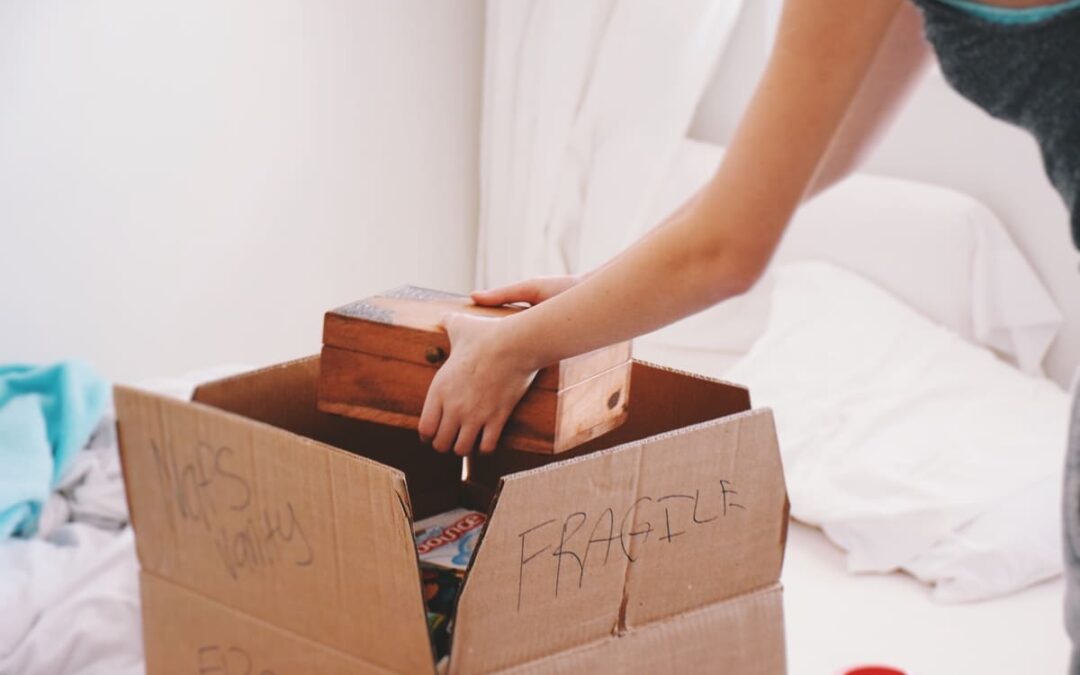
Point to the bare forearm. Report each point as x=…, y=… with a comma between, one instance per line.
x=899, y=62
x=653, y=283
x=720, y=243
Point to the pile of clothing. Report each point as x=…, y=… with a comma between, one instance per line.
x=68, y=571
x=67, y=561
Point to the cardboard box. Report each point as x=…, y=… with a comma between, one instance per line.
x=381, y=353
x=277, y=539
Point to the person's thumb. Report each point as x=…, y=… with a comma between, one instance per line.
x=448, y=322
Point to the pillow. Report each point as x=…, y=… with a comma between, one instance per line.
x=896, y=433
x=970, y=276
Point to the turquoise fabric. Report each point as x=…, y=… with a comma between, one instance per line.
x=1011, y=15
x=47, y=414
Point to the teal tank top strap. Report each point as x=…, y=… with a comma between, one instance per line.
x=1012, y=15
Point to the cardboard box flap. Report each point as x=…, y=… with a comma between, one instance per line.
x=513, y=588
x=404, y=324
x=665, y=399
x=600, y=544
x=742, y=636
x=718, y=509
x=284, y=396
x=283, y=528
x=187, y=633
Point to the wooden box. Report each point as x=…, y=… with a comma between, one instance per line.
x=380, y=354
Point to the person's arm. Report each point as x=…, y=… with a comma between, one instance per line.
x=712, y=249
x=900, y=60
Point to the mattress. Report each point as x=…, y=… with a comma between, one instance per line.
x=836, y=621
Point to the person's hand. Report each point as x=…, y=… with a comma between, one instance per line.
x=533, y=291
x=476, y=389
x=485, y=376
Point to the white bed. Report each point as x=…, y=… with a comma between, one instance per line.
x=947, y=257
x=836, y=620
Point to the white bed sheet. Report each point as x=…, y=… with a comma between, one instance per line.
x=835, y=621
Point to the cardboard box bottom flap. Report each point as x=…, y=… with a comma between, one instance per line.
x=743, y=635
x=187, y=634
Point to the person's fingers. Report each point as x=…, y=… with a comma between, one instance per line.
x=466, y=439
x=430, y=416
x=522, y=291
x=448, y=431
x=492, y=431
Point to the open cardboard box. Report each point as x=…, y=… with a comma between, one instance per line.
x=277, y=539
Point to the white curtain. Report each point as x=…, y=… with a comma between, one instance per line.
x=585, y=102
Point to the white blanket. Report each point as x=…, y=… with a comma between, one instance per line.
x=908, y=446
x=71, y=604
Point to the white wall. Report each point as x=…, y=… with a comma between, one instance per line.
x=189, y=183
x=943, y=139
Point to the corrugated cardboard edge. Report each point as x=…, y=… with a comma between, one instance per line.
x=427, y=474
x=641, y=441
x=488, y=469
x=200, y=390
x=124, y=390
x=693, y=375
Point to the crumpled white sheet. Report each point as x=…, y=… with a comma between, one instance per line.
x=92, y=489
x=909, y=447
x=71, y=604
x=1011, y=546
x=69, y=599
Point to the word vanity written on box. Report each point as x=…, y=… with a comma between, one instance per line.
x=275, y=538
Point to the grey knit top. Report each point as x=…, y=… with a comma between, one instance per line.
x=1027, y=74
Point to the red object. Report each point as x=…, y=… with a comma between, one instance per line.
x=874, y=670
